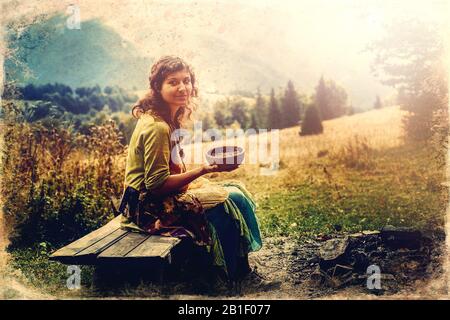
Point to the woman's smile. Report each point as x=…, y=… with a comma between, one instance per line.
x=177, y=88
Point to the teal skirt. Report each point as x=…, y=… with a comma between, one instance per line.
x=235, y=230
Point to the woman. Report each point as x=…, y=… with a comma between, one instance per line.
x=161, y=197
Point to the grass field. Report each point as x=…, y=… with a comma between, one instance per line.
x=357, y=175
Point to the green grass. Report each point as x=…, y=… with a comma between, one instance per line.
x=401, y=188
x=49, y=276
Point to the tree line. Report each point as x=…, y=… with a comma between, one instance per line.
x=286, y=109
x=84, y=107
x=80, y=108
x=410, y=58
x=80, y=100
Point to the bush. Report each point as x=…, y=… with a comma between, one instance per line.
x=57, y=183
x=312, y=124
x=355, y=154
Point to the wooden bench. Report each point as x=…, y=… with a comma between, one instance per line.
x=121, y=256
x=110, y=243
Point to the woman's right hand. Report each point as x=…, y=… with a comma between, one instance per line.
x=208, y=168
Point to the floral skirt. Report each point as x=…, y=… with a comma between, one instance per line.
x=229, y=230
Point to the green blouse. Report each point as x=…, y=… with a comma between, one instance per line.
x=148, y=154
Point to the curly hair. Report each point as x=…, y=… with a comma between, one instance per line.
x=154, y=102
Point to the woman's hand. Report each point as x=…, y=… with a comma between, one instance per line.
x=207, y=168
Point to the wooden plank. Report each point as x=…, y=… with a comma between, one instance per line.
x=154, y=246
x=123, y=246
x=88, y=240
x=103, y=244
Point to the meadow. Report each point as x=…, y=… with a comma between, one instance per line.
x=358, y=175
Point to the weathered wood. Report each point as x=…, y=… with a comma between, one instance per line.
x=123, y=246
x=111, y=242
x=87, y=241
x=103, y=244
x=154, y=246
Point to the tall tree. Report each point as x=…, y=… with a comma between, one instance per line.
x=311, y=124
x=321, y=99
x=253, y=120
x=261, y=111
x=239, y=113
x=291, y=107
x=410, y=58
x=330, y=99
x=275, y=120
x=377, y=104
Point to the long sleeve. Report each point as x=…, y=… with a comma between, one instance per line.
x=156, y=146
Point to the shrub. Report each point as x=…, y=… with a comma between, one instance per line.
x=312, y=124
x=57, y=183
x=355, y=154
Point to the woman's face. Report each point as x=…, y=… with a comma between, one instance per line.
x=176, y=89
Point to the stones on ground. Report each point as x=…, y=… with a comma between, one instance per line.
x=402, y=255
x=333, y=248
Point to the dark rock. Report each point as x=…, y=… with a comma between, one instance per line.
x=377, y=254
x=314, y=260
x=333, y=249
x=370, y=247
x=360, y=261
x=398, y=237
x=333, y=252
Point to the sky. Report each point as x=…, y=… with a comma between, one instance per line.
x=306, y=39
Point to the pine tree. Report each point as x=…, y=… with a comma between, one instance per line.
x=419, y=75
x=312, y=124
x=377, y=104
x=274, y=119
x=239, y=113
x=254, y=120
x=321, y=99
x=261, y=112
x=291, y=107
x=330, y=99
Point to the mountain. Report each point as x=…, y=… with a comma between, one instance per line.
x=110, y=52
x=49, y=52
x=227, y=68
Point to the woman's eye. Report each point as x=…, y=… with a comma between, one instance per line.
x=187, y=81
